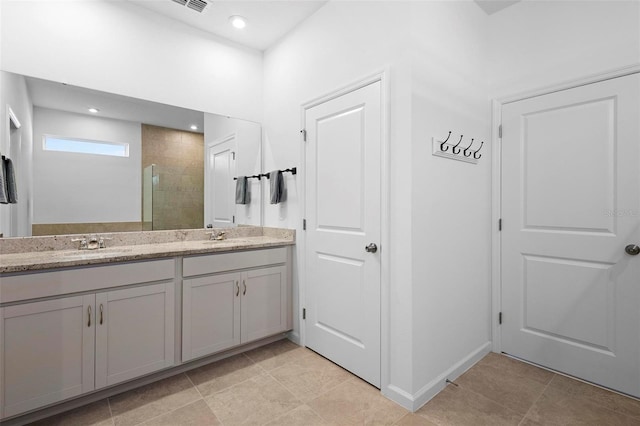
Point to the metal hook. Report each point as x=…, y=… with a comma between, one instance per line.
x=442, y=145
x=478, y=150
x=464, y=151
x=456, y=146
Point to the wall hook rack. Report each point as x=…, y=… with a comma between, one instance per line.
x=469, y=154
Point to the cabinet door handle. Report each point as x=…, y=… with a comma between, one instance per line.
x=89, y=316
x=237, y=289
x=244, y=287
x=101, y=314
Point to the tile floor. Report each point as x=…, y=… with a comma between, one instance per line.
x=284, y=384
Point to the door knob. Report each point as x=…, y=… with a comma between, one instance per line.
x=632, y=249
x=371, y=248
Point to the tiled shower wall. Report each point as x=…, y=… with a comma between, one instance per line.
x=178, y=180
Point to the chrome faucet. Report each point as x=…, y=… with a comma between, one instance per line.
x=217, y=236
x=84, y=245
x=94, y=242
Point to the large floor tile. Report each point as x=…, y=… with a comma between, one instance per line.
x=596, y=395
x=310, y=376
x=94, y=414
x=510, y=383
x=195, y=414
x=277, y=354
x=462, y=407
x=356, y=403
x=556, y=407
x=223, y=374
x=256, y=401
x=139, y=405
x=303, y=415
x=411, y=419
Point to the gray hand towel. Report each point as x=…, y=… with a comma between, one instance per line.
x=12, y=189
x=4, y=196
x=241, y=190
x=276, y=182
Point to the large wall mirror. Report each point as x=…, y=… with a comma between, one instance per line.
x=91, y=162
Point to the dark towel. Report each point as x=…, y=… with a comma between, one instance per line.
x=12, y=190
x=4, y=196
x=276, y=182
x=241, y=190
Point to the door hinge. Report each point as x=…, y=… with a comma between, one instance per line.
x=304, y=134
x=304, y=313
x=304, y=224
x=500, y=224
x=233, y=219
x=233, y=155
x=500, y=131
x=500, y=318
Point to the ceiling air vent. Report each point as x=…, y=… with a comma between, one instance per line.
x=197, y=5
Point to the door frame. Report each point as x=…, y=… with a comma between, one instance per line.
x=207, y=171
x=381, y=76
x=496, y=179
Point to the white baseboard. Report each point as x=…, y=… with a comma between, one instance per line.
x=294, y=336
x=431, y=389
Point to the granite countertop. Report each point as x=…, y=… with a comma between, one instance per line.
x=52, y=259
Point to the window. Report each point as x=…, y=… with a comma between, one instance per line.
x=82, y=146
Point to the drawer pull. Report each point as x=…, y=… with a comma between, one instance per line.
x=89, y=316
x=101, y=314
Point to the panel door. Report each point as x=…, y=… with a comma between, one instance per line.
x=210, y=314
x=265, y=303
x=134, y=332
x=219, y=184
x=571, y=188
x=47, y=352
x=343, y=193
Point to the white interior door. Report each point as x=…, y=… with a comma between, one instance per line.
x=219, y=184
x=570, y=196
x=342, y=190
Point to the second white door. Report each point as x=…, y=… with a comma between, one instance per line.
x=343, y=193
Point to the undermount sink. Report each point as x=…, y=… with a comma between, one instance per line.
x=95, y=254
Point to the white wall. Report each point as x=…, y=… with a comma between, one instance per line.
x=85, y=188
x=535, y=44
x=248, y=160
x=435, y=53
x=14, y=94
x=118, y=47
x=451, y=200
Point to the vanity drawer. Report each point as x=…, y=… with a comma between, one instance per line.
x=27, y=286
x=214, y=263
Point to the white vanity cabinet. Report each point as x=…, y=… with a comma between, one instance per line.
x=56, y=349
x=242, y=297
x=48, y=352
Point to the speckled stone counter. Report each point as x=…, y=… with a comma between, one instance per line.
x=39, y=253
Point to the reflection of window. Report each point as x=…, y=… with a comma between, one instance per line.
x=115, y=149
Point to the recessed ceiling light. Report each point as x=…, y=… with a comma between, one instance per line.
x=238, y=21
x=94, y=110
x=194, y=127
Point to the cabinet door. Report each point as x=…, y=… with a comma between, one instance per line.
x=264, y=302
x=210, y=314
x=134, y=332
x=47, y=352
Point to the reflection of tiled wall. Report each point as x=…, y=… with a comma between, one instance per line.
x=84, y=228
x=178, y=184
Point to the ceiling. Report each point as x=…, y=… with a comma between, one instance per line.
x=493, y=6
x=48, y=94
x=267, y=21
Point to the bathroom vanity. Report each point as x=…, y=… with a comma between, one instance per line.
x=76, y=322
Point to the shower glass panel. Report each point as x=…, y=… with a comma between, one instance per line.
x=173, y=198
